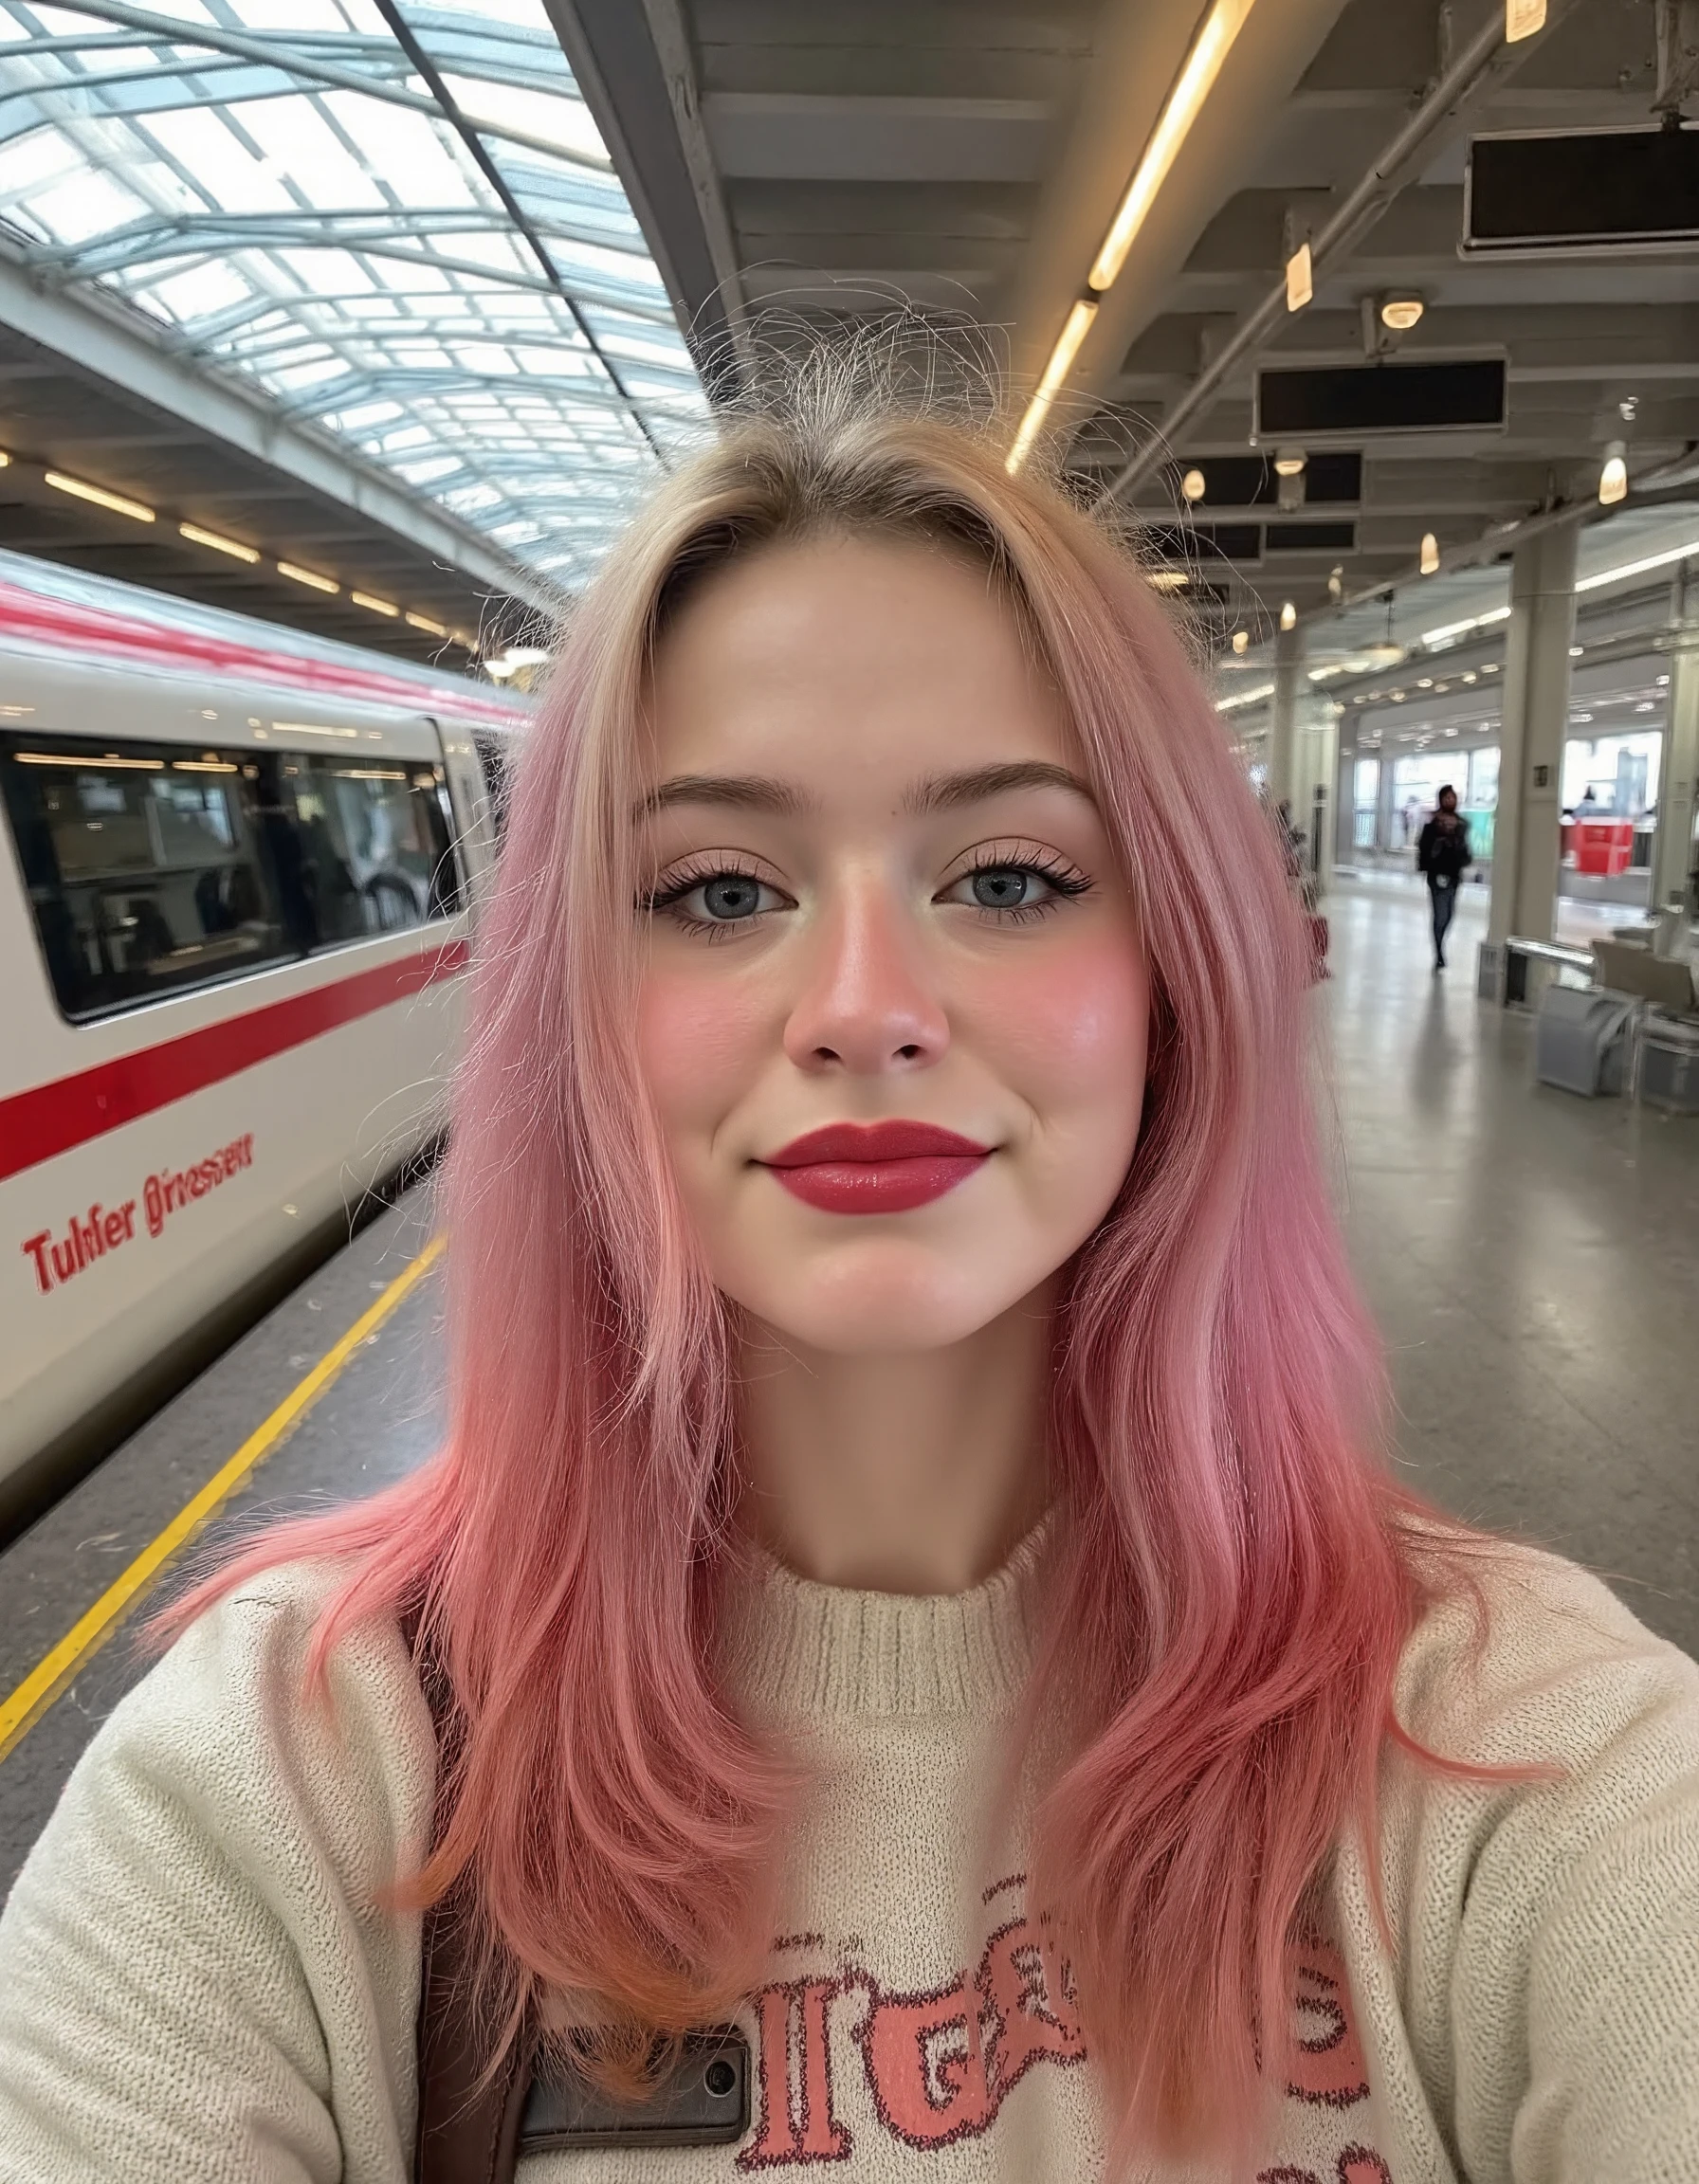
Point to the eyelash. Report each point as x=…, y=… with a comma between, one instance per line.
x=1068, y=882
x=667, y=895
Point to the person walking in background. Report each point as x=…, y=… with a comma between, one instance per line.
x=1442, y=857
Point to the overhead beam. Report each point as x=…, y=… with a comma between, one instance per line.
x=1139, y=47
x=1474, y=74
x=101, y=346
x=635, y=70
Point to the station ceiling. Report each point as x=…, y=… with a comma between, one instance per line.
x=331, y=308
x=393, y=292
x=966, y=159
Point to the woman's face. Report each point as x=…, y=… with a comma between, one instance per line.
x=884, y=908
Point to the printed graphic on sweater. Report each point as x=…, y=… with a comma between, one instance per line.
x=938, y=2063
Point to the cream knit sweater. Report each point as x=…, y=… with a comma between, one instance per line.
x=195, y=1985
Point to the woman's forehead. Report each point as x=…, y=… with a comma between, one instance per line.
x=838, y=657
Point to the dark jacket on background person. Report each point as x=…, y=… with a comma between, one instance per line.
x=1442, y=852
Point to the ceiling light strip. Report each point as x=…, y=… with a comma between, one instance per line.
x=218, y=542
x=310, y=577
x=80, y=489
x=1472, y=66
x=1245, y=698
x=1450, y=629
x=1193, y=85
x=1642, y=567
x=1198, y=71
x=1061, y=363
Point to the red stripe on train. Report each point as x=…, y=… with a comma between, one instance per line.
x=43, y=620
x=51, y=1119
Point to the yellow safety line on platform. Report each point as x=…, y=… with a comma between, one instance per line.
x=44, y=1684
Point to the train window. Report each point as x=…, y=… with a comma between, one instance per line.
x=369, y=848
x=150, y=869
x=143, y=871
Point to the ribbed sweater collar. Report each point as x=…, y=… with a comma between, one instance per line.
x=801, y=1647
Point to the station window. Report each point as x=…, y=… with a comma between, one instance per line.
x=151, y=869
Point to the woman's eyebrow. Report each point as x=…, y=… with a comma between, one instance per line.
x=946, y=791
x=943, y=792
x=746, y=792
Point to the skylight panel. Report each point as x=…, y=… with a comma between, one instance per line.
x=327, y=272
x=412, y=277
x=366, y=414
x=35, y=160
x=359, y=266
x=83, y=205
x=201, y=291
x=310, y=154
x=291, y=15
x=547, y=116
x=643, y=343
x=227, y=172
x=297, y=378
x=411, y=154
x=618, y=271
x=487, y=359
x=434, y=466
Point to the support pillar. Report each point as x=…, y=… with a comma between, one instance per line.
x=1292, y=686
x=1673, y=849
x=1536, y=723
x=1318, y=786
x=1384, y=812
x=1345, y=794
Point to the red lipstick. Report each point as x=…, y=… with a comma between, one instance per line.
x=875, y=1167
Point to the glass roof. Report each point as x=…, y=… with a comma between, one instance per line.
x=398, y=221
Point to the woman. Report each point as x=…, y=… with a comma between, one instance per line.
x=907, y=1572
x=1442, y=855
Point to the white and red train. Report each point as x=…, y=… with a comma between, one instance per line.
x=237, y=871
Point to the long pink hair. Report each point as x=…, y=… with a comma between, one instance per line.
x=1235, y=1576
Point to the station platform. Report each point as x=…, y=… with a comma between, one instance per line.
x=334, y=1394
x=1531, y=1257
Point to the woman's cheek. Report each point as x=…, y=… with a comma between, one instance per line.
x=1069, y=1021
x=699, y=1039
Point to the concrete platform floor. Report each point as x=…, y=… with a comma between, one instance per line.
x=1532, y=1258
x=380, y=1416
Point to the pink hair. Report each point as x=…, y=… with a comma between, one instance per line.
x=1237, y=1578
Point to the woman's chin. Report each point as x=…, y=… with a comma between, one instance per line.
x=879, y=1306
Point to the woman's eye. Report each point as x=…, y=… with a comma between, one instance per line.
x=1007, y=887
x=1012, y=888
x=720, y=898
x=730, y=895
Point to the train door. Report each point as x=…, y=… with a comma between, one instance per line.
x=472, y=805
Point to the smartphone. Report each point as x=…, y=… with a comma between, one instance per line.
x=702, y=2099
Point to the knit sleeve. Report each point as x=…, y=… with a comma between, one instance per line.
x=1551, y=1928
x=198, y=1984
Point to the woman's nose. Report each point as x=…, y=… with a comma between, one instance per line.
x=866, y=1004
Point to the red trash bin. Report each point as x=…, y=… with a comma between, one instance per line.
x=1604, y=849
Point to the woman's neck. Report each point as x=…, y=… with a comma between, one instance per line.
x=913, y=1471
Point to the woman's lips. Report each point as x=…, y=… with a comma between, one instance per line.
x=875, y=1167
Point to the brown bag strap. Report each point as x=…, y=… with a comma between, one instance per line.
x=468, y=2124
